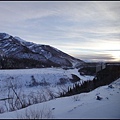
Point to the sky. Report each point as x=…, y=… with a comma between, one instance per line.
x=88, y=30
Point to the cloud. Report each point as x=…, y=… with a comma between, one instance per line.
x=96, y=57
x=22, y=10
x=83, y=14
x=72, y=26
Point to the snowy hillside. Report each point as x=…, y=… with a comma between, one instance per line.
x=83, y=105
x=22, y=78
x=15, y=49
x=45, y=81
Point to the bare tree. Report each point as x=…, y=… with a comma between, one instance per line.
x=2, y=109
x=36, y=113
x=50, y=93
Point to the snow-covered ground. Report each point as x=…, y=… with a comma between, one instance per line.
x=22, y=78
x=47, y=79
x=83, y=105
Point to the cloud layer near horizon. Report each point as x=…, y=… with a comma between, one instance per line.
x=87, y=30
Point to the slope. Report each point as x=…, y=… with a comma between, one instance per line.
x=83, y=105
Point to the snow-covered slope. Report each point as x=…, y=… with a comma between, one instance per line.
x=22, y=78
x=37, y=82
x=15, y=47
x=83, y=105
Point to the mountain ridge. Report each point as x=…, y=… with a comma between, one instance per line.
x=17, y=48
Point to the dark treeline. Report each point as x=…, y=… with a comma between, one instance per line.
x=103, y=77
x=14, y=63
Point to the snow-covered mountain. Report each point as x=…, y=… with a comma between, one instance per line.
x=43, y=55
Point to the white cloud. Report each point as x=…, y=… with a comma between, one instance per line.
x=65, y=25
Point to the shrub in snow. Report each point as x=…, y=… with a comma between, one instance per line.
x=99, y=98
x=53, y=108
x=37, y=113
x=107, y=98
x=110, y=86
x=76, y=98
x=2, y=110
x=34, y=82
